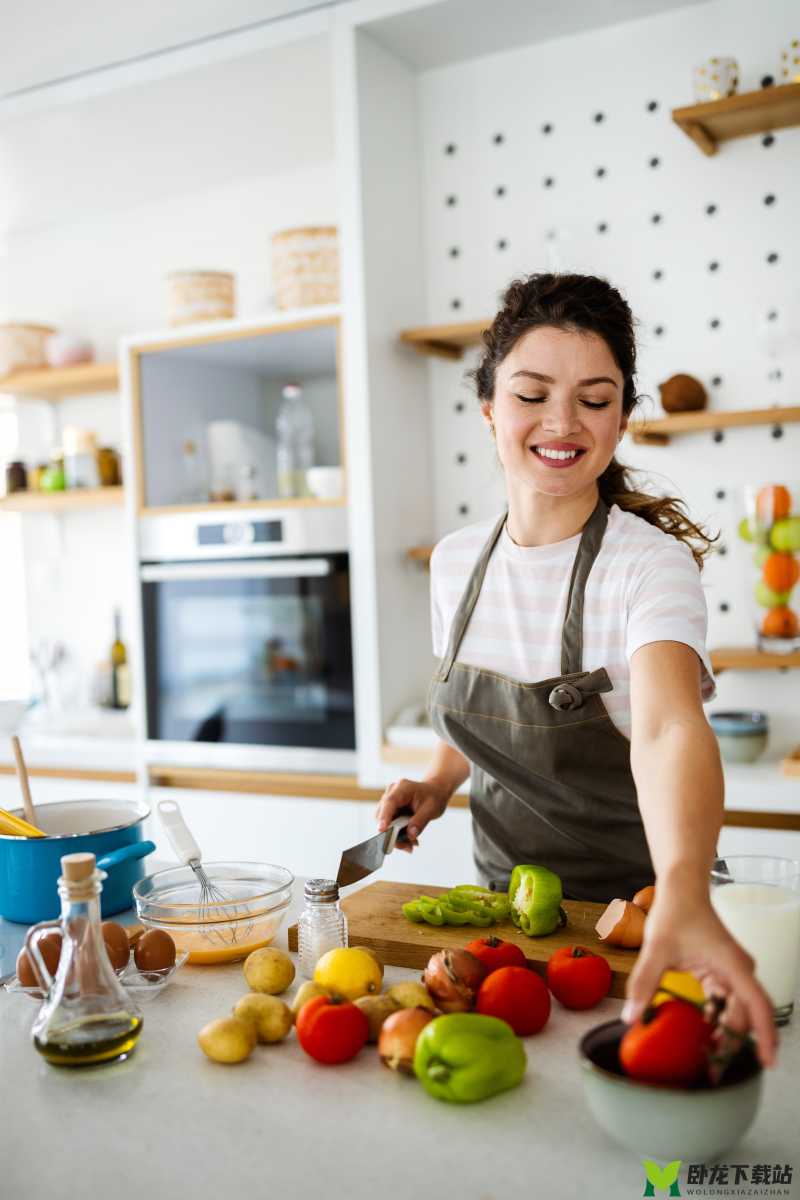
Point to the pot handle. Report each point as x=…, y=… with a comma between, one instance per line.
x=135, y=850
x=34, y=954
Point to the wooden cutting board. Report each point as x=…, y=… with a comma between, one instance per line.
x=375, y=920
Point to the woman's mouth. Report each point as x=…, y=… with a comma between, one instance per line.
x=559, y=456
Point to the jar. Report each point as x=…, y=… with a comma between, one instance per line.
x=108, y=467
x=322, y=925
x=16, y=477
x=35, y=477
x=80, y=458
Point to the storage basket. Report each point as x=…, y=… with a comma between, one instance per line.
x=305, y=266
x=22, y=346
x=200, y=296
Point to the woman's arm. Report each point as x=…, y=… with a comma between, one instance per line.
x=680, y=788
x=427, y=798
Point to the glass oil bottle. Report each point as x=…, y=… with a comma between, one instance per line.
x=87, y=1017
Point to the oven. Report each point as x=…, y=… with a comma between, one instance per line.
x=247, y=634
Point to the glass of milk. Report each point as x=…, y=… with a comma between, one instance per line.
x=758, y=900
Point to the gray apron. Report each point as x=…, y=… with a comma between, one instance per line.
x=551, y=779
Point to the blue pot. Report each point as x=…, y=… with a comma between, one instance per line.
x=30, y=867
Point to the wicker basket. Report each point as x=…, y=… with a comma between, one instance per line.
x=305, y=266
x=200, y=296
x=22, y=347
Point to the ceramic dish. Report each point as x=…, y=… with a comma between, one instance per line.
x=742, y=736
x=664, y=1123
x=257, y=898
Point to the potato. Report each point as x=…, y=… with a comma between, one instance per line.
x=411, y=995
x=271, y=1018
x=376, y=1009
x=307, y=991
x=227, y=1040
x=268, y=970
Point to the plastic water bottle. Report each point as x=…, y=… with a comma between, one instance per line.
x=295, y=430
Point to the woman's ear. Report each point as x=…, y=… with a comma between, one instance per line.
x=487, y=409
x=623, y=425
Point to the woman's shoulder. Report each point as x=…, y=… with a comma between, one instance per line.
x=633, y=536
x=461, y=547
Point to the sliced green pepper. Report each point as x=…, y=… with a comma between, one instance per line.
x=535, y=895
x=462, y=905
x=464, y=1057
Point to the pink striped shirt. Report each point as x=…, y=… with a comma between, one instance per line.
x=644, y=587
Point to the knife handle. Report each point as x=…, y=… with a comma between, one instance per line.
x=395, y=830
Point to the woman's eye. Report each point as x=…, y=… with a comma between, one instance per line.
x=530, y=399
x=596, y=403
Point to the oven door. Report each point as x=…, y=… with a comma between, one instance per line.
x=254, y=652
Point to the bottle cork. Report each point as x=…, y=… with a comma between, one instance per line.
x=75, y=867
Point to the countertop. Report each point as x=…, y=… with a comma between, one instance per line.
x=168, y=1122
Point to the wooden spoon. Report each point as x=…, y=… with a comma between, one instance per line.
x=22, y=775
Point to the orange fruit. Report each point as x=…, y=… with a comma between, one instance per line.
x=780, y=572
x=773, y=503
x=780, y=622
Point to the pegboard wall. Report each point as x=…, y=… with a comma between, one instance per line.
x=564, y=156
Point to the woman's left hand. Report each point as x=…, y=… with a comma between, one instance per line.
x=683, y=933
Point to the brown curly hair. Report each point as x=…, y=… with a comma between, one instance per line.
x=587, y=303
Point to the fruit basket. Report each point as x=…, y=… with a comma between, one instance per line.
x=769, y=534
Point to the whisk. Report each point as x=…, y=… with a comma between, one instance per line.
x=215, y=905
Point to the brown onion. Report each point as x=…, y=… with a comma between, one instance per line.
x=398, y=1038
x=453, y=977
x=644, y=898
x=622, y=924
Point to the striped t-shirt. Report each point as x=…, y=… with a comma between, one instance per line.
x=644, y=587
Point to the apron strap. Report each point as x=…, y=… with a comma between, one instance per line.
x=572, y=629
x=468, y=600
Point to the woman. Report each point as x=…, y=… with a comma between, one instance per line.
x=584, y=589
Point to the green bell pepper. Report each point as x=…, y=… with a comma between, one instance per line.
x=535, y=895
x=464, y=1057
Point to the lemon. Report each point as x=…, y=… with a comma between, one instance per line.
x=349, y=972
x=682, y=984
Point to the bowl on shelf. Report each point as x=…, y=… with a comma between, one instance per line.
x=742, y=735
x=256, y=899
x=326, y=483
x=667, y=1123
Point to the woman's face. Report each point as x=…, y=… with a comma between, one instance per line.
x=557, y=411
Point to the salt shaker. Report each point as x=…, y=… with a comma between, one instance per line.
x=322, y=925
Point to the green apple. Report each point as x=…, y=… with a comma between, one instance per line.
x=52, y=479
x=769, y=599
x=785, y=535
x=760, y=555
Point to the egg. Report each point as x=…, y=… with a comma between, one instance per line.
x=50, y=950
x=117, y=944
x=153, y=952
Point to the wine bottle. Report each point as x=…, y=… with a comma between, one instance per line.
x=120, y=677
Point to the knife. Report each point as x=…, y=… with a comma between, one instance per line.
x=361, y=860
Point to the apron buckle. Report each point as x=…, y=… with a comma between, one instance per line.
x=565, y=697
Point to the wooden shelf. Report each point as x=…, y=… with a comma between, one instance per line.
x=67, y=501
x=56, y=383
x=740, y=116
x=262, y=783
x=743, y=658
x=240, y=505
x=445, y=341
x=658, y=432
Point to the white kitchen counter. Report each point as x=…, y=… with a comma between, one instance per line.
x=170, y=1123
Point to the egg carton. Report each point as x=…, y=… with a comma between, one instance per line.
x=143, y=987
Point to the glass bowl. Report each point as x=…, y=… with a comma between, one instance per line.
x=245, y=914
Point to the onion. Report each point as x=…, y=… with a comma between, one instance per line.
x=622, y=924
x=397, y=1040
x=644, y=898
x=453, y=977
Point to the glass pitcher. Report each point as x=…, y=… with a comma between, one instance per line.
x=87, y=1016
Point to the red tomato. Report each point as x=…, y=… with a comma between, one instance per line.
x=330, y=1030
x=516, y=995
x=669, y=1045
x=493, y=952
x=578, y=977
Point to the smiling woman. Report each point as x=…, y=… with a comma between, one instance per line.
x=571, y=623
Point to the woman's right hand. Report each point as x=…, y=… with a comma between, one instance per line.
x=426, y=800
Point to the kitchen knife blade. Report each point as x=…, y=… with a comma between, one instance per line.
x=361, y=860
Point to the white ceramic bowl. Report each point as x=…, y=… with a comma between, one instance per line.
x=326, y=483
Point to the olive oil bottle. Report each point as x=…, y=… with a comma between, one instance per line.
x=120, y=676
x=87, y=1016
